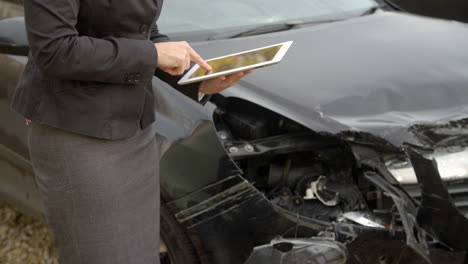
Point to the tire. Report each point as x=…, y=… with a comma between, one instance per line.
x=180, y=249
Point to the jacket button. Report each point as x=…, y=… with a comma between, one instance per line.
x=144, y=29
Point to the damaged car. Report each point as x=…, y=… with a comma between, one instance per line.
x=448, y=9
x=354, y=149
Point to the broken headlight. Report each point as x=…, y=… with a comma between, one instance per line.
x=452, y=166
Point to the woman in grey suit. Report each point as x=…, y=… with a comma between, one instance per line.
x=86, y=90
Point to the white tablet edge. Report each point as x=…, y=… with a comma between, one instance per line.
x=278, y=57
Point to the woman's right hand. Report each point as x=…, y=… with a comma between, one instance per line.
x=174, y=57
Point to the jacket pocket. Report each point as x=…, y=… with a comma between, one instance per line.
x=91, y=84
x=100, y=3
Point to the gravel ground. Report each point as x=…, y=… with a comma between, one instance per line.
x=23, y=239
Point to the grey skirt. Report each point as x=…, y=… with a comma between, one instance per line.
x=101, y=196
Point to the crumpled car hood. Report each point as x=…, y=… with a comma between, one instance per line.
x=379, y=73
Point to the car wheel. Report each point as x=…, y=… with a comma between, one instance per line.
x=176, y=247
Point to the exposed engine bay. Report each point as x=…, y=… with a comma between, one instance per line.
x=344, y=179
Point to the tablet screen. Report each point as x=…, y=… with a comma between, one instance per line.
x=239, y=60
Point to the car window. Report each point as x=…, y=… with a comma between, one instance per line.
x=10, y=8
x=206, y=15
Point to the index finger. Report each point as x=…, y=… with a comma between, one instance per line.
x=198, y=59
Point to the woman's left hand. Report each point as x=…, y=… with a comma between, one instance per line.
x=219, y=84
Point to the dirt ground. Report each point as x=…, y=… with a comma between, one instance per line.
x=23, y=239
x=9, y=8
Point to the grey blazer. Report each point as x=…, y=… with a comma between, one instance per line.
x=91, y=64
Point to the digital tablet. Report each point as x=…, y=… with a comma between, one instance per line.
x=237, y=62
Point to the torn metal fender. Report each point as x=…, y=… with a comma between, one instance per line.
x=303, y=250
x=437, y=213
x=415, y=234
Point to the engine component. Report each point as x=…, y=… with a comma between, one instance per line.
x=313, y=208
x=318, y=190
x=362, y=218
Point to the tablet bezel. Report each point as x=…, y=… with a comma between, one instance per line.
x=278, y=57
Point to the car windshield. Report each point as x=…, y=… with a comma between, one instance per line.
x=213, y=17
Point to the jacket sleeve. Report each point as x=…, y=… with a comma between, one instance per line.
x=190, y=90
x=157, y=37
x=59, y=52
